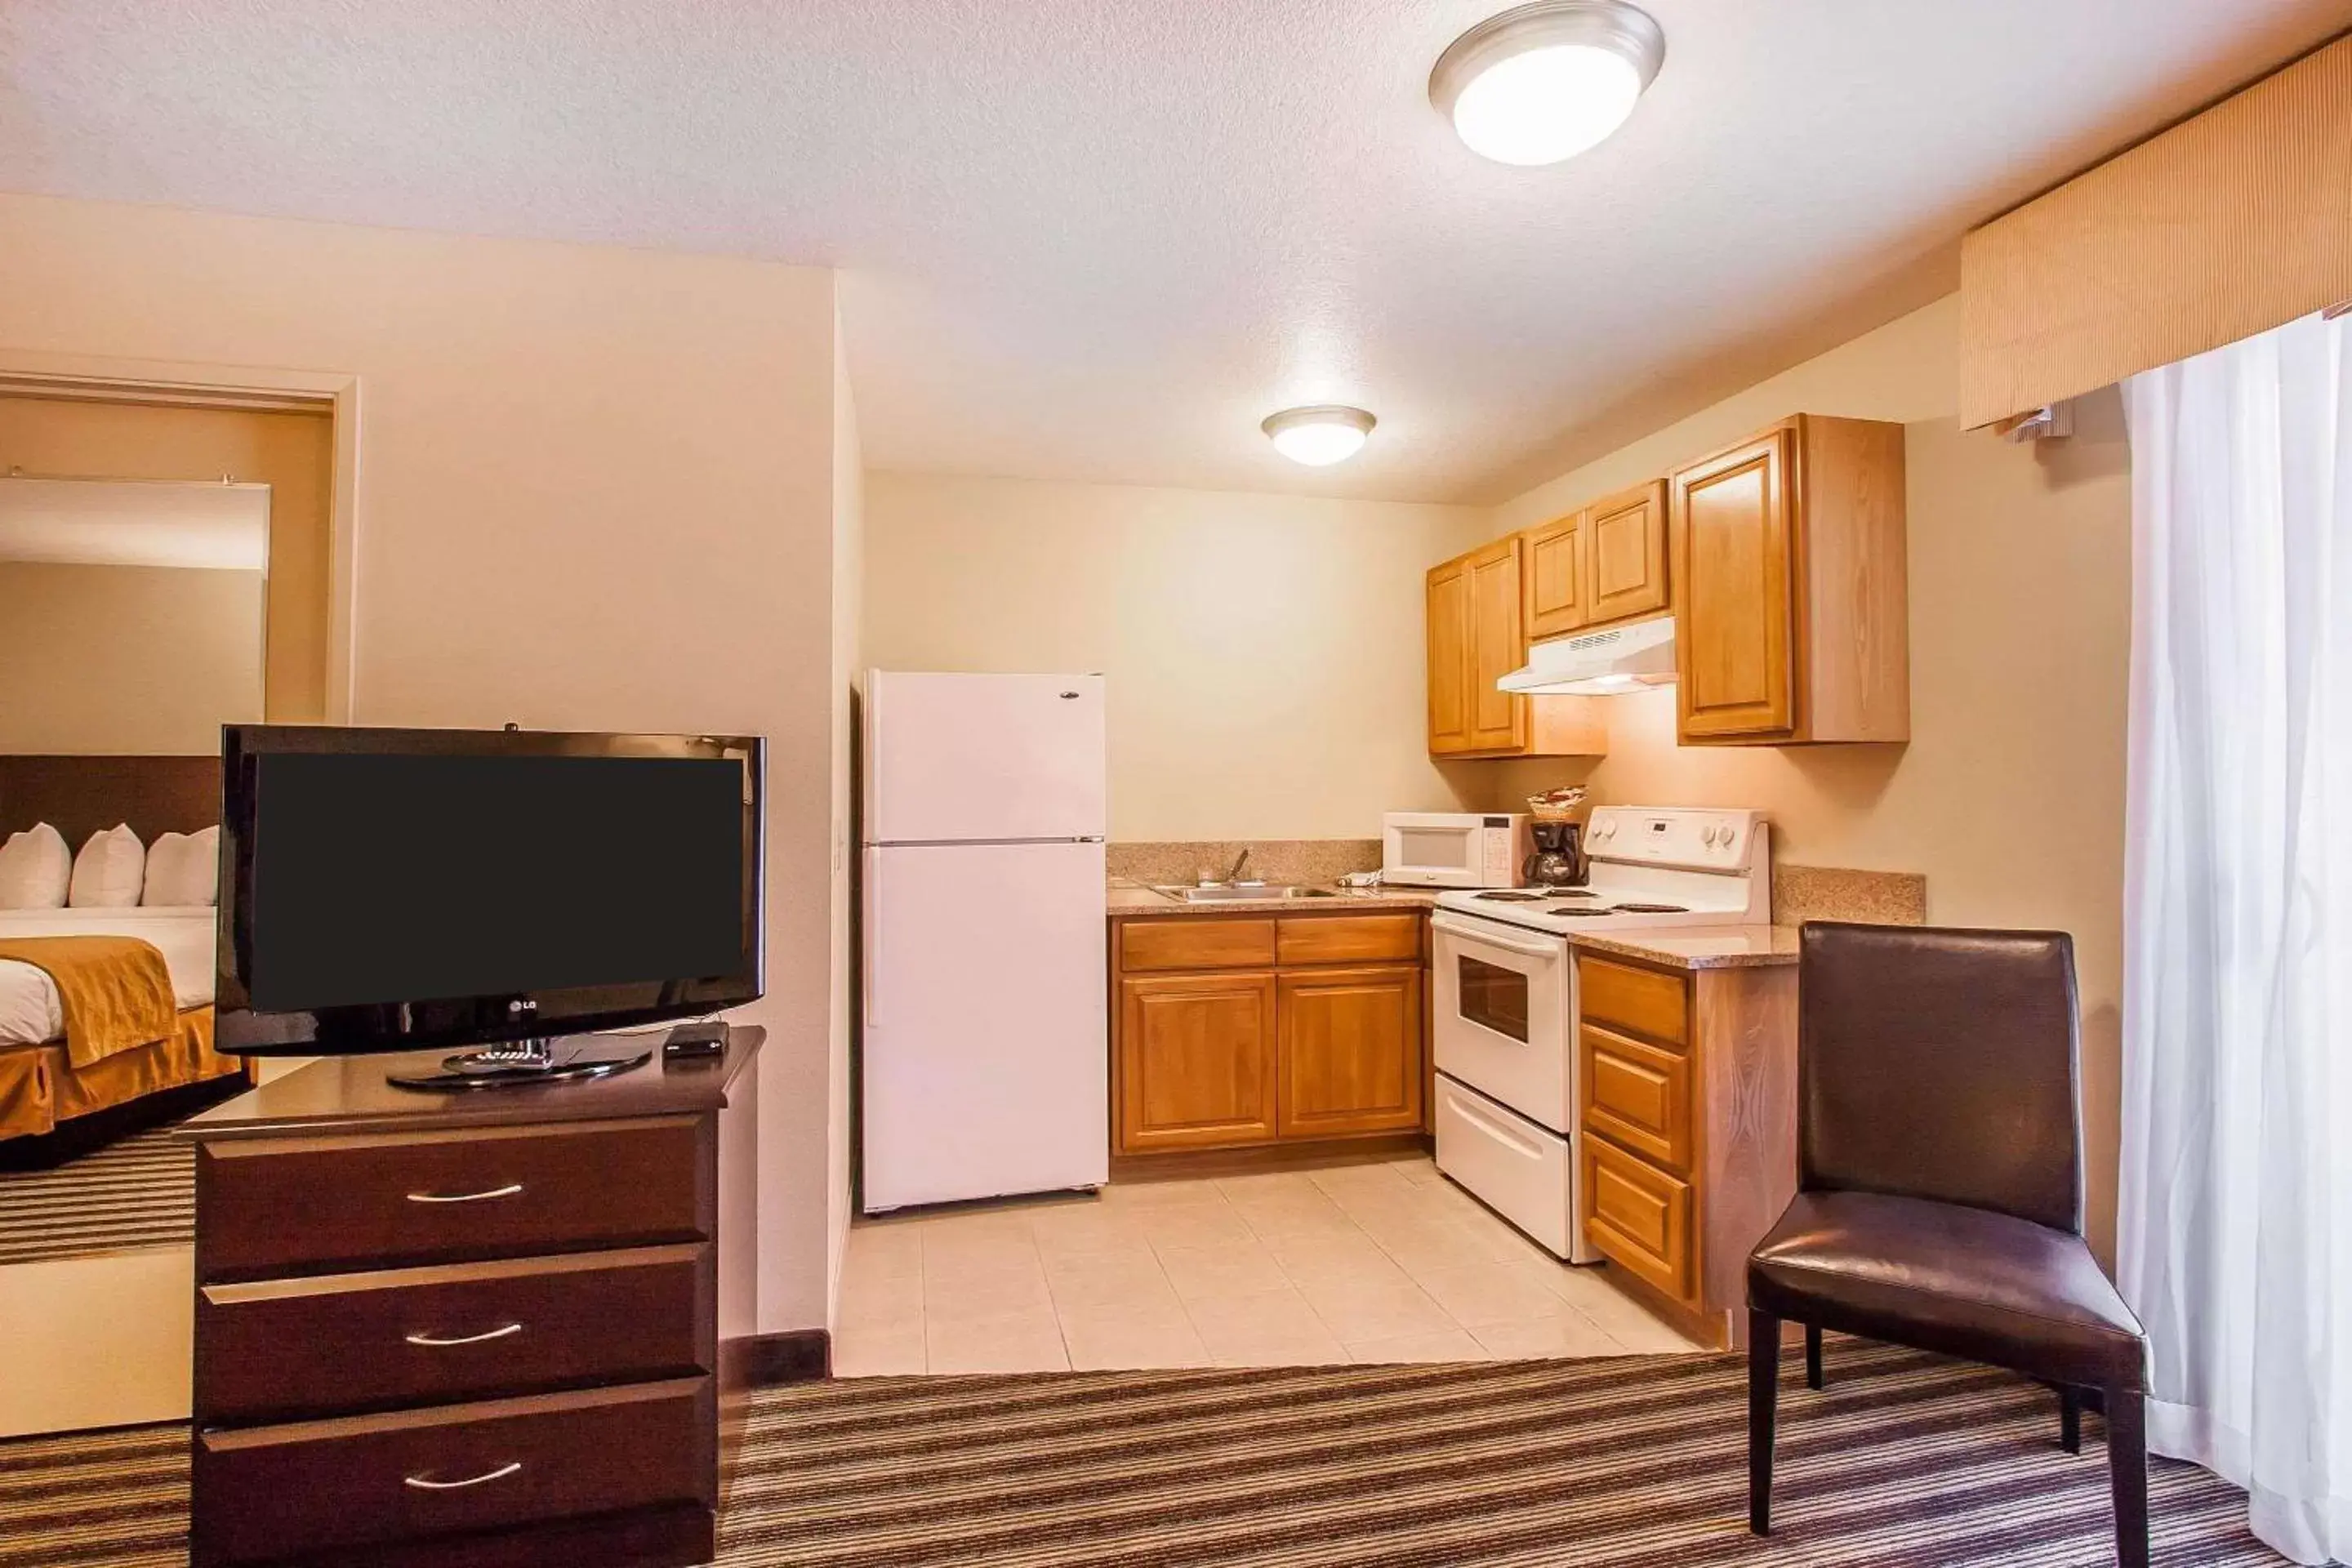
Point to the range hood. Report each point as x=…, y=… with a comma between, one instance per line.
x=1597, y=664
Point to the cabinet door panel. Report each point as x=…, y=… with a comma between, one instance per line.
x=1638, y=1216
x=1351, y=1052
x=1733, y=540
x=1449, y=659
x=1638, y=1095
x=1497, y=719
x=1625, y=542
x=1554, y=563
x=1197, y=1062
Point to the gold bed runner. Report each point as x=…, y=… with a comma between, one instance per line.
x=116, y=991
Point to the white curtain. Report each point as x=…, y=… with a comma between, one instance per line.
x=2235, y=1243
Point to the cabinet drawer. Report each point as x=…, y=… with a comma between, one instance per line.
x=296, y=1205
x=1348, y=939
x=1638, y=1216
x=1634, y=1001
x=322, y=1487
x=1638, y=1095
x=338, y=1343
x=1187, y=942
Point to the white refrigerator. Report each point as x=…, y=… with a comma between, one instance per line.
x=984, y=1052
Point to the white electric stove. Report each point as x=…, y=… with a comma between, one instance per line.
x=1506, y=1115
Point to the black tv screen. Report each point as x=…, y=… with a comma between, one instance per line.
x=397, y=889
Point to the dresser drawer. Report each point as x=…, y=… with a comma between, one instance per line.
x=1348, y=939
x=1632, y=1000
x=1638, y=1216
x=1638, y=1094
x=339, y=1343
x=320, y=1487
x=1191, y=942
x=295, y=1205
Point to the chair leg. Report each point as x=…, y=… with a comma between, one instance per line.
x=1813, y=1357
x=2127, y=1471
x=2070, y=1420
x=1763, y=1390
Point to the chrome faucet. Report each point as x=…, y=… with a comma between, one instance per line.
x=1231, y=876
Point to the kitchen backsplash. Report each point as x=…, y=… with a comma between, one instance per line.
x=1310, y=860
x=1801, y=893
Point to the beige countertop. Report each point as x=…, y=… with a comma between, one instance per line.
x=1127, y=898
x=1698, y=947
x=1684, y=947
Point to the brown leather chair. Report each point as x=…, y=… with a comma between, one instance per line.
x=1940, y=1186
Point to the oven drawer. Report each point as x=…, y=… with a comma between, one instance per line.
x=313, y=1205
x=1638, y=1216
x=339, y=1343
x=1518, y=1169
x=321, y=1489
x=1637, y=1094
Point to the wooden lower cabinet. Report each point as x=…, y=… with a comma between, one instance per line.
x=1197, y=1062
x=1351, y=1052
x=1688, y=1081
x=1327, y=1042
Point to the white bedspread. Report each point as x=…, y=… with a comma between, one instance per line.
x=29, y=1009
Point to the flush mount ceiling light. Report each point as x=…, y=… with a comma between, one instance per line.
x=1318, y=437
x=1544, y=81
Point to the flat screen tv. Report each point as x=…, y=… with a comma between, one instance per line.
x=404, y=890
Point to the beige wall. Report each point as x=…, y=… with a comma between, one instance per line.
x=1264, y=652
x=126, y=660
x=849, y=590
x=292, y=453
x=594, y=490
x=2010, y=795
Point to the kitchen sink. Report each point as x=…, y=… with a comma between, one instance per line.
x=1233, y=892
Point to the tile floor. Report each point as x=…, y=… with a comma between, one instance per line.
x=1384, y=1262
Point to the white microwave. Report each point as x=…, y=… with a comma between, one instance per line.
x=1454, y=848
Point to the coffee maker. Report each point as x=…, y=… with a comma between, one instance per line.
x=1558, y=860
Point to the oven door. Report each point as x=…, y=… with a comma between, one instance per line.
x=1502, y=1011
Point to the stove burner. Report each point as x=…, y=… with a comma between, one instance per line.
x=1650, y=910
x=1516, y=898
x=1570, y=893
x=1578, y=912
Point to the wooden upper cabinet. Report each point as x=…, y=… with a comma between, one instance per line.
x=1626, y=544
x=1449, y=659
x=1792, y=610
x=1498, y=719
x=1478, y=635
x=1554, y=556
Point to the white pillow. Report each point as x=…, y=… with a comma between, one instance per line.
x=108, y=872
x=35, y=867
x=183, y=870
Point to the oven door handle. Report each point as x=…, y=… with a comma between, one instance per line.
x=1527, y=950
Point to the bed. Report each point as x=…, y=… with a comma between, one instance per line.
x=41, y=1089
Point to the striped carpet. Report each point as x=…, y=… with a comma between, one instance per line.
x=1906, y=1461
x=140, y=1192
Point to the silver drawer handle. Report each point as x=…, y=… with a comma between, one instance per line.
x=509, y=1190
x=436, y=1341
x=428, y=1484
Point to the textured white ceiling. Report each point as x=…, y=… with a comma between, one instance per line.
x=1102, y=238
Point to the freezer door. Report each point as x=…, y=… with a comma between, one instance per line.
x=985, y=1047
x=953, y=758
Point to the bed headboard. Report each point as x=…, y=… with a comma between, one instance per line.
x=81, y=795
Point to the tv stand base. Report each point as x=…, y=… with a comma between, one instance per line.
x=540, y=1059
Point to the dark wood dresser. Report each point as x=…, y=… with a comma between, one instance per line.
x=480, y=1329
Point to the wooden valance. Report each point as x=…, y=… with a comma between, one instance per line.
x=2226, y=225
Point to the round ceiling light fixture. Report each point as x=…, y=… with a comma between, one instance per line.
x=1318, y=437
x=1542, y=82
